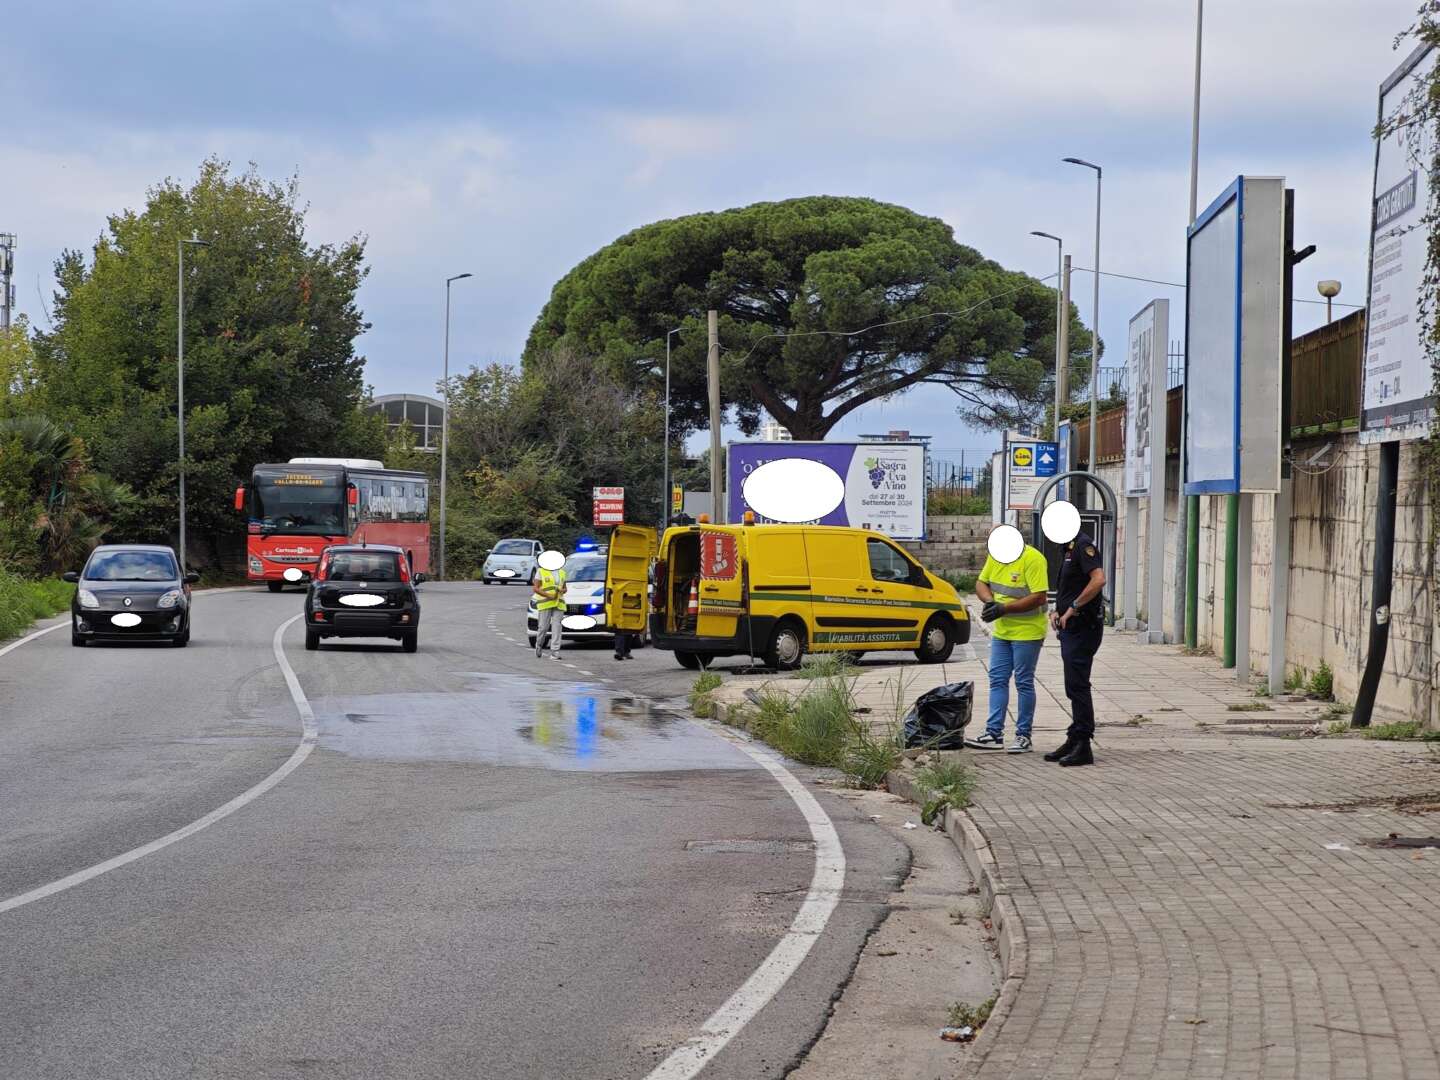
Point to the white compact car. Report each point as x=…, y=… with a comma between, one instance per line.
x=511, y=561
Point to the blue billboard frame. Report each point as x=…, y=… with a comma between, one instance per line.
x=1234, y=193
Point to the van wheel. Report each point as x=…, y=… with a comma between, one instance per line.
x=274, y=586
x=787, y=646
x=410, y=642
x=78, y=641
x=692, y=661
x=937, y=641
x=312, y=640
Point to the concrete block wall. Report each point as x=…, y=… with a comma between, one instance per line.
x=953, y=543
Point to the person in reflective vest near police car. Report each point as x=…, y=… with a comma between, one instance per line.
x=549, y=588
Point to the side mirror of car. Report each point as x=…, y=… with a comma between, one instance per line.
x=420, y=579
x=191, y=578
x=71, y=576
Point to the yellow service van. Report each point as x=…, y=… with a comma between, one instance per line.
x=778, y=592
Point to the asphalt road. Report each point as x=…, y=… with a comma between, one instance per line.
x=490, y=865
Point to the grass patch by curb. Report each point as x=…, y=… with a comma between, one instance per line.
x=22, y=601
x=700, y=703
x=1247, y=706
x=818, y=726
x=945, y=784
x=1400, y=731
x=963, y=1014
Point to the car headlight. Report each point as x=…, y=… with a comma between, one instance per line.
x=170, y=599
x=87, y=599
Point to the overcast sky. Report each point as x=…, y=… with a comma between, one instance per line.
x=511, y=140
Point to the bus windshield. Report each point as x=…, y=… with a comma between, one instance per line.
x=301, y=501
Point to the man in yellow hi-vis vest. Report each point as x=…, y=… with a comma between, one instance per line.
x=549, y=589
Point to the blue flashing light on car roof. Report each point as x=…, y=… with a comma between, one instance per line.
x=586, y=543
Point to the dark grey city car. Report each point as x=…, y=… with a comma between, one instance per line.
x=363, y=591
x=131, y=592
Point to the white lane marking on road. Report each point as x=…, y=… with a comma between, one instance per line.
x=308, y=738
x=37, y=633
x=820, y=902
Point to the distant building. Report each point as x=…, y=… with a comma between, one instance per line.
x=426, y=414
x=772, y=431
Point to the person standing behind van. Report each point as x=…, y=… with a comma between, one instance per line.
x=1012, y=585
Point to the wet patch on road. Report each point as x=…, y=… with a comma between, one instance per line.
x=513, y=720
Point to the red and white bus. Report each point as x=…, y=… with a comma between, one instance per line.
x=294, y=510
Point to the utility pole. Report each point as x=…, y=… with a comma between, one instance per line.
x=445, y=423
x=1062, y=372
x=712, y=369
x=1187, y=554
x=194, y=241
x=7, y=270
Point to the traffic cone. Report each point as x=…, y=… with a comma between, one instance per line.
x=693, y=607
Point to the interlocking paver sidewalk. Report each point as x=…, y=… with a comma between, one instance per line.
x=1202, y=903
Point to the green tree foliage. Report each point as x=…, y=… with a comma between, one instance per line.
x=54, y=508
x=825, y=304
x=270, y=365
x=18, y=376
x=527, y=447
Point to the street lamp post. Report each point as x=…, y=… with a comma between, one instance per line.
x=445, y=423
x=194, y=241
x=1060, y=314
x=1095, y=313
x=665, y=468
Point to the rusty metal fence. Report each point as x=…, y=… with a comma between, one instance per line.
x=1324, y=393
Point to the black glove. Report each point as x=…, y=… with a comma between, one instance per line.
x=992, y=610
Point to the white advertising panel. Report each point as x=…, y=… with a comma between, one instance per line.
x=1145, y=408
x=1397, y=400
x=1233, y=346
x=878, y=486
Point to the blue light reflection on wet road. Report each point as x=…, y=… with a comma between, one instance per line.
x=512, y=720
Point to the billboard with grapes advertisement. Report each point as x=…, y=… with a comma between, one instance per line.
x=873, y=485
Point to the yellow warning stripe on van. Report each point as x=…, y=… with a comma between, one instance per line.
x=863, y=601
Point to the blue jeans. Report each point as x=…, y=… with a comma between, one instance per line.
x=1016, y=658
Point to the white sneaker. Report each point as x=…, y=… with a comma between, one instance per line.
x=1021, y=745
x=986, y=742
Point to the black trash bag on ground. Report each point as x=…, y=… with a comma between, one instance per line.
x=937, y=719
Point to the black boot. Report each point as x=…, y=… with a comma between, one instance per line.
x=1064, y=748
x=1080, y=753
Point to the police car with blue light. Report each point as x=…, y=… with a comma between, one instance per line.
x=584, y=597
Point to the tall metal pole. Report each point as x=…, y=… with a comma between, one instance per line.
x=1063, y=345
x=1094, y=313
x=712, y=367
x=180, y=391
x=445, y=426
x=195, y=241
x=1059, y=323
x=1187, y=555
x=1095, y=334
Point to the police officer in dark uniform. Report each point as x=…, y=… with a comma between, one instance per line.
x=1079, y=618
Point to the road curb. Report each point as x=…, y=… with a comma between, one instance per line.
x=995, y=901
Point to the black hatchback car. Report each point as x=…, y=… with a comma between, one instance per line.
x=363, y=591
x=131, y=592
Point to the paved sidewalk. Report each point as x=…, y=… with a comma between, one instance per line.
x=1202, y=903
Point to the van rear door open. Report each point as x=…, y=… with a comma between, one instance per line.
x=627, y=569
x=721, y=582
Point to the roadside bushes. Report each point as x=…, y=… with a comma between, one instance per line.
x=22, y=601
x=819, y=727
